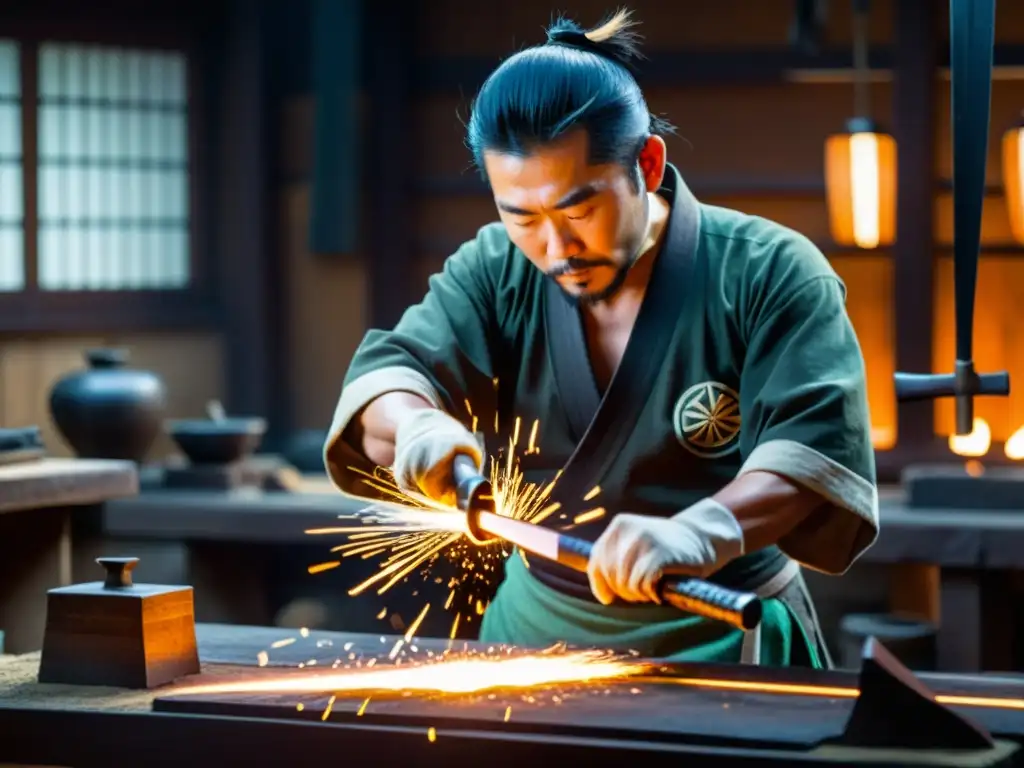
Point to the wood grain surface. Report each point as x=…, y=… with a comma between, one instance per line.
x=54, y=482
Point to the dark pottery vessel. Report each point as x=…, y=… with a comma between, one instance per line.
x=217, y=441
x=109, y=411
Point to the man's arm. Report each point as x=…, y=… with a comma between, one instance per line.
x=767, y=507
x=803, y=402
x=437, y=356
x=807, y=481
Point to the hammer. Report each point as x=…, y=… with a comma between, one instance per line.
x=475, y=497
x=972, y=29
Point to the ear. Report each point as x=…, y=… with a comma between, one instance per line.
x=653, y=157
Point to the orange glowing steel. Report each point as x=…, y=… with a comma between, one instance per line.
x=458, y=676
x=831, y=692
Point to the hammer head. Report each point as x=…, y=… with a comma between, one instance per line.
x=964, y=384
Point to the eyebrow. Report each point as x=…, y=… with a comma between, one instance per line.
x=577, y=196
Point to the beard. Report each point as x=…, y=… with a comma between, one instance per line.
x=608, y=291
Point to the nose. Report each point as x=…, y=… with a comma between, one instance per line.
x=561, y=243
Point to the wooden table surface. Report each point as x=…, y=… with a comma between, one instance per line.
x=657, y=723
x=53, y=482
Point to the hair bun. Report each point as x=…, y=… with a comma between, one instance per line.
x=614, y=39
x=567, y=36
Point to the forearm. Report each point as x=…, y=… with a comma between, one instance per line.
x=372, y=431
x=766, y=506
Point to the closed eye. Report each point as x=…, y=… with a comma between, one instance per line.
x=582, y=216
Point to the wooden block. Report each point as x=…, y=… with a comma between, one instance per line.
x=116, y=633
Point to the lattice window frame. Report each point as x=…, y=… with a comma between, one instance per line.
x=36, y=310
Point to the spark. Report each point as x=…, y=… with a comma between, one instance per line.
x=592, y=493
x=531, y=446
x=282, y=643
x=431, y=734
x=321, y=567
x=411, y=632
x=327, y=710
x=589, y=516
x=383, y=613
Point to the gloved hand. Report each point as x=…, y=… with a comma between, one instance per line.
x=633, y=553
x=426, y=443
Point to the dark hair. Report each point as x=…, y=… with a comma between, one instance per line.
x=577, y=79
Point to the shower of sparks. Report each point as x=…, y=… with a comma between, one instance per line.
x=445, y=675
x=409, y=532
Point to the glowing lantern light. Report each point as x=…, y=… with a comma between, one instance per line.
x=860, y=178
x=974, y=444
x=1013, y=179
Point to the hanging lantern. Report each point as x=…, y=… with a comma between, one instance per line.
x=860, y=164
x=1013, y=179
x=860, y=180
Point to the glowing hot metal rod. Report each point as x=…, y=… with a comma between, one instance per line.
x=475, y=497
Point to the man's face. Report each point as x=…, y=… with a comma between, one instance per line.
x=580, y=224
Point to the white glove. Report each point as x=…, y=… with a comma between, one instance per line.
x=635, y=551
x=426, y=443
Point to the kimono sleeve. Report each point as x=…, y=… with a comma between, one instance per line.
x=441, y=350
x=804, y=410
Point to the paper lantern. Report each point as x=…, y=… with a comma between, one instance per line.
x=1013, y=179
x=860, y=179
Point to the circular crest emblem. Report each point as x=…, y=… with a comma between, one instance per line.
x=706, y=420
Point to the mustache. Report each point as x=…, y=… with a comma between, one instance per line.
x=576, y=265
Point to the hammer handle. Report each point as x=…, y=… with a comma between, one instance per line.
x=927, y=386
x=739, y=609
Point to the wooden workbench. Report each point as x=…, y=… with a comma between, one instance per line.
x=659, y=724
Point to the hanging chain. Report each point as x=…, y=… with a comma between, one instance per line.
x=861, y=66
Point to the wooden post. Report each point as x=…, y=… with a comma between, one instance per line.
x=913, y=255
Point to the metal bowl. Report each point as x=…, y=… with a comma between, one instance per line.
x=217, y=441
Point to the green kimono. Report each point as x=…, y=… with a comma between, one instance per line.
x=743, y=358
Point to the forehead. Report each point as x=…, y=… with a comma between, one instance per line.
x=550, y=170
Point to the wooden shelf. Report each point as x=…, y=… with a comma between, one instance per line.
x=741, y=66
